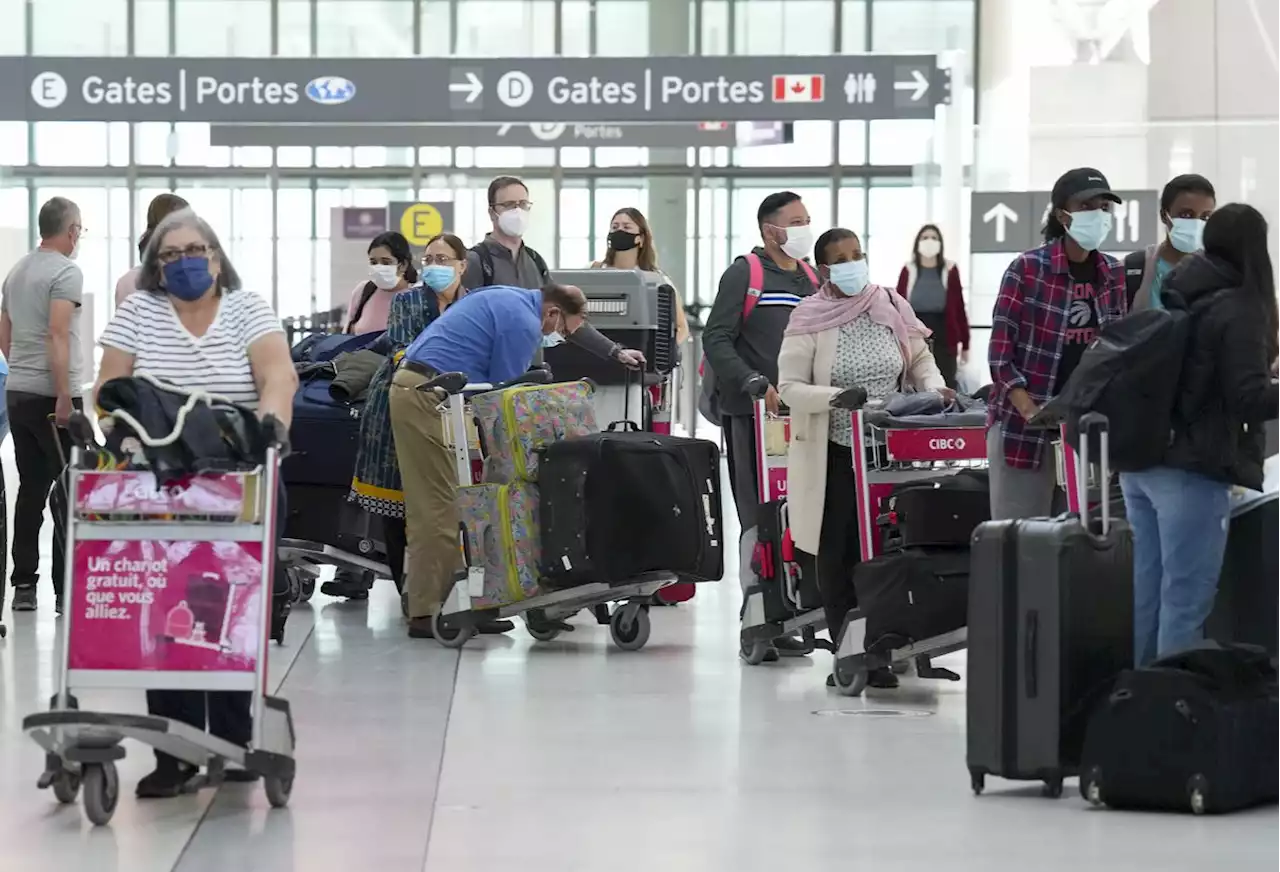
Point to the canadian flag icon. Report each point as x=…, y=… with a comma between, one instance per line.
x=798, y=89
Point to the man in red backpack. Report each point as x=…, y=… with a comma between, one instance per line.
x=741, y=341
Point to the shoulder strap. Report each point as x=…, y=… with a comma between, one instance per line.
x=539, y=263
x=486, y=264
x=369, y=290
x=755, y=283
x=1135, y=264
x=808, y=271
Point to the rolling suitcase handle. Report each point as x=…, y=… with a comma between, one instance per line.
x=1089, y=422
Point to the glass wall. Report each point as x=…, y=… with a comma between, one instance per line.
x=272, y=205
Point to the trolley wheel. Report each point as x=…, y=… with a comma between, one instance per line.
x=306, y=590
x=1198, y=794
x=977, y=781
x=1052, y=788
x=753, y=653
x=4, y=631
x=630, y=627
x=449, y=634
x=101, y=787
x=850, y=680
x=1091, y=786
x=542, y=632
x=66, y=787
x=278, y=790
x=900, y=667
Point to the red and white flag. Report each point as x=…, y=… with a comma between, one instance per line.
x=797, y=89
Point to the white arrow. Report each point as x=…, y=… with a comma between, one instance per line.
x=504, y=129
x=920, y=85
x=1001, y=214
x=473, y=86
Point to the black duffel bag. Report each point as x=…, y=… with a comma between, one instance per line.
x=941, y=511
x=912, y=595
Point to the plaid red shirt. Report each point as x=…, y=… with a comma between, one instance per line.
x=1028, y=331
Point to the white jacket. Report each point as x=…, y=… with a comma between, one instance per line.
x=804, y=383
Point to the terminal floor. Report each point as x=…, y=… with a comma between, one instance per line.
x=575, y=757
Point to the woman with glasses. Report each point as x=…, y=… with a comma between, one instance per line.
x=191, y=326
x=376, y=485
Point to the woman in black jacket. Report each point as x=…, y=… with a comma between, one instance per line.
x=1180, y=511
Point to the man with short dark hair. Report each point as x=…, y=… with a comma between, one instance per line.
x=742, y=342
x=40, y=338
x=1186, y=203
x=491, y=335
x=502, y=258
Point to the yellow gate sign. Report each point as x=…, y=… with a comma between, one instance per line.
x=419, y=222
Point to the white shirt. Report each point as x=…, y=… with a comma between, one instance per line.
x=147, y=327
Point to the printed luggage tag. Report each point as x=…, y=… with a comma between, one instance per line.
x=475, y=580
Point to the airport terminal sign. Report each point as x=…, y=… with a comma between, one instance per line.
x=1012, y=221
x=423, y=90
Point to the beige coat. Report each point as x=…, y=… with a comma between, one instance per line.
x=804, y=383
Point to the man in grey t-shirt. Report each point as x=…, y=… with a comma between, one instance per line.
x=40, y=338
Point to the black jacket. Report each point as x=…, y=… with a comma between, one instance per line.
x=1226, y=393
x=735, y=349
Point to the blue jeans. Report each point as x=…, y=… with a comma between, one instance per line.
x=4, y=408
x=1180, y=521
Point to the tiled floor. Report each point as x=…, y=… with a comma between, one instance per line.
x=573, y=756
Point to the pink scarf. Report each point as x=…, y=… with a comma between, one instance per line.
x=829, y=309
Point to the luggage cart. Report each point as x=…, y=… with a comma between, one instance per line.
x=544, y=614
x=884, y=457
x=760, y=623
x=168, y=589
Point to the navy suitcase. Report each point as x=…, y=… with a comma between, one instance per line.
x=1050, y=628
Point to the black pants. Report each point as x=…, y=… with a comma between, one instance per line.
x=838, y=550
x=227, y=714
x=944, y=351
x=740, y=453
x=41, y=481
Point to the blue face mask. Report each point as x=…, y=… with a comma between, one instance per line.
x=1090, y=228
x=188, y=278
x=551, y=340
x=437, y=277
x=851, y=278
x=1186, y=234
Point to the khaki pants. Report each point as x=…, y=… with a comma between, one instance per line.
x=430, y=484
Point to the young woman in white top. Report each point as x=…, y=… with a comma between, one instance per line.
x=191, y=326
x=851, y=334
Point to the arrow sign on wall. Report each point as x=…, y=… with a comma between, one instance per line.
x=472, y=87
x=919, y=85
x=1002, y=215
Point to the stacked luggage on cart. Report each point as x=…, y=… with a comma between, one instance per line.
x=567, y=517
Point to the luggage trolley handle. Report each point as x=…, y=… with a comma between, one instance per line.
x=1088, y=423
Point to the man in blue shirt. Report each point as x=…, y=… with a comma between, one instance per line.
x=492, y=335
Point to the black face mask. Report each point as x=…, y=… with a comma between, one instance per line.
x=621, y=240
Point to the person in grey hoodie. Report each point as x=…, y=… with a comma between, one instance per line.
x=740, y=347
x=1185, y=205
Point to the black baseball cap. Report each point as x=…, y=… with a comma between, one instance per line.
x=1085, y=183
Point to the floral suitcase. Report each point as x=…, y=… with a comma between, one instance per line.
x=518, y=422
x=502, y=536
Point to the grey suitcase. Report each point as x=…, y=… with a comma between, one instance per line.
x=1050, y=627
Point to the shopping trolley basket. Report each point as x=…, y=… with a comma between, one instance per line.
x=168, y=589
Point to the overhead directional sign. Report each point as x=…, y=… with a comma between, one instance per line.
x=426, y=90
x=1013, y=221
x=527, y=135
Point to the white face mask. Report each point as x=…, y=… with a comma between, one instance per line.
x=799, y=241
x=514, y=222
x=929, y=247
x=384, y=276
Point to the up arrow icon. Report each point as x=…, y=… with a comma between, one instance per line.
x=1002, y=215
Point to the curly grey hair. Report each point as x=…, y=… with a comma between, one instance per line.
x=152, y=269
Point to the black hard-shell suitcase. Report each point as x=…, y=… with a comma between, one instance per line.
x=325, y=515
x=790, y=586
x=615, y=505
x=912, y=595
x=323, y=442
x=1196, y=731
x=1050, y=627
x=1245, y=608
x=936, y=512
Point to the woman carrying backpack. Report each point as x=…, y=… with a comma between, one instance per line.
x=1180, y=511
x=391, y=271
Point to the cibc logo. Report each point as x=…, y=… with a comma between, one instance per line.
x=49, y=90
x=330, y=90
x=955, y=443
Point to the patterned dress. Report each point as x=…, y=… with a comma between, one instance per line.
x=867, y=355
x=376, y=484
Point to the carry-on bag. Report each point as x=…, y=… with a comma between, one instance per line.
x=913, y=595
x=1050, y=627
x=942, y=511
x=786, y=576
x=1196, y=731
x=618, y=504
x=500, y=523
x=517, y=422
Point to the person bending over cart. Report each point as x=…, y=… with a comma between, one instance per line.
x=491, y=335
x=849, y=342
x=192, y=326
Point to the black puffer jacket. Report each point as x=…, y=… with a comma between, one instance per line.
x=1226, y=392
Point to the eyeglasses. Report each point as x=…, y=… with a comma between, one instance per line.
x=195, y=249
x=508, y=205
x=438, y=260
